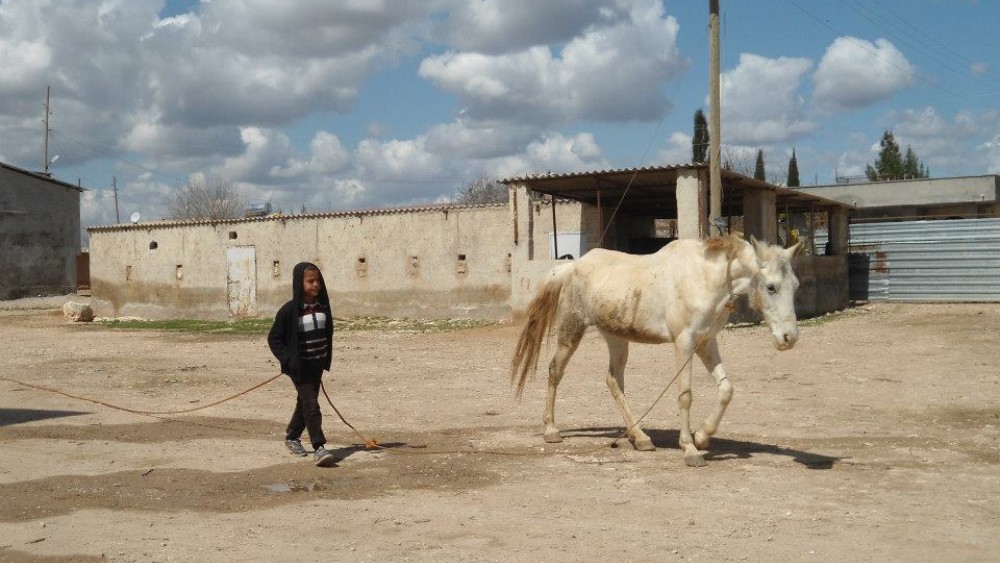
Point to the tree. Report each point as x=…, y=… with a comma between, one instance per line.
x=793, y=172
x=699, y=142
x=891, y=165
x=912, y=167
x=483, y=190
x=215, y=198
x=758, y=170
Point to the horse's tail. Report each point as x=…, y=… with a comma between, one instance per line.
x=541, y=313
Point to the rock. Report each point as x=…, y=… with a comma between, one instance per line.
x=78, y=312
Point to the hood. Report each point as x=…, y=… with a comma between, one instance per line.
x=298, y=274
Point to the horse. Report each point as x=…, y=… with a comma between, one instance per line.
x=682, y=294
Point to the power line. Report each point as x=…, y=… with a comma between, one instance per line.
x=108, y=153
x=918, y=44
x=875, y=54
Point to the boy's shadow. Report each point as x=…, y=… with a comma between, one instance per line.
x=343, y=452
x=720, y=449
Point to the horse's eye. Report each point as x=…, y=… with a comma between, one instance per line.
x=771, y=289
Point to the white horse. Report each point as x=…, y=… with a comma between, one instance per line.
x=681, y=294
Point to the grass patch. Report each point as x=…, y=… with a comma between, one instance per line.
x=834, y=316
x=262, y=326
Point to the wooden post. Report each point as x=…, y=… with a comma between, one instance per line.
x=555, y=231
x=715, y=118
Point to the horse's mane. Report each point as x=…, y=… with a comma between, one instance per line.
x=726, y=244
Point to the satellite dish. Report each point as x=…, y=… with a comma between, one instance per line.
x=134, y=217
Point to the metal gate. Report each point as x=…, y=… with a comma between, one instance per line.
x=940, y=260
x=241, y=281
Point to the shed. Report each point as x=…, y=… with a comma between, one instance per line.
x=621, y=208
x=39, y=233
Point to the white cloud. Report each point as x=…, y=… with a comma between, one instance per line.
x=677, y=150
x=612, y=71
x=855, y=73
x=761, y=102
x=472, y=139
x=499, y=26
x=946, y=145
x=552, y=152
x=326, y=156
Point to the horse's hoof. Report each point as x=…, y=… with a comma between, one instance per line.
x=644, y=445
x=701, y=440
x=695, y=460
x=552, y=437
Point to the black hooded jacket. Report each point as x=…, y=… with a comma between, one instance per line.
x=283, y=339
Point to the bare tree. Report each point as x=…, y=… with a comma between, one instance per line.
x=214, y=198
x=483, y=190
x=739, y=160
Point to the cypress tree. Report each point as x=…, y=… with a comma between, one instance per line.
x=699, y=142
x=758, y=170
x=793, y=172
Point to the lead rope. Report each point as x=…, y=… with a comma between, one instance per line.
x=370, y=443
x=136, y=411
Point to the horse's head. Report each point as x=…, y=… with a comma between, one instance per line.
x=772, y=291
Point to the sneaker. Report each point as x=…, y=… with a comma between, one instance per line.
x=324, y=458
x=295, y=446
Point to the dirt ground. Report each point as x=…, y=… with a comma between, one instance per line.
x=875, y=439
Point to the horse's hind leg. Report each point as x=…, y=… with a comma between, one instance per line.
x=618, y=357
x=568, y=334
x=709, y=354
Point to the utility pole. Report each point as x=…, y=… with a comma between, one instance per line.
x=715, y=118
x=114, y=186
x=45, y=156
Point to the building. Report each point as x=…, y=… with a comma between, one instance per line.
x=39, y=234
x=966, y=197
x=620, y=209
x=438, y=261
x=930, y=239
x=427, y=261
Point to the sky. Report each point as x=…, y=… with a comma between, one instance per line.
x=354, y=104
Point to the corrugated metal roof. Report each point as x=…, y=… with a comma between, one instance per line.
x=330, y=214
x=650, y=190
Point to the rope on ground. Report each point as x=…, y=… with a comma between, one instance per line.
x=370, y=443
x=136, y=411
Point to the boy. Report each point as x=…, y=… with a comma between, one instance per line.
x=301, y=338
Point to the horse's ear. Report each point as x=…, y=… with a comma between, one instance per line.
x=794, y=250
x=758, y=246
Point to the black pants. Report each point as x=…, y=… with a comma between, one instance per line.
x=307, y=415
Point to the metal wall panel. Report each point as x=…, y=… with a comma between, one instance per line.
x=941, y=260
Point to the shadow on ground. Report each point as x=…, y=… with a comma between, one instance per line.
x=9, y=417
x=721, y=449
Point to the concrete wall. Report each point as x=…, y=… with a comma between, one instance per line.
x=412, y=263
x=823, y=288
x=532, y=220
x=909, y=193
x=39, y=234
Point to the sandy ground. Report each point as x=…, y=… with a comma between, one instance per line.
x=875, y=439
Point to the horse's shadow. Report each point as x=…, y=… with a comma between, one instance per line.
x=10, y=417
x=720, y=449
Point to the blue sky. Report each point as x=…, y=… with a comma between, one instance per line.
x=343, y=104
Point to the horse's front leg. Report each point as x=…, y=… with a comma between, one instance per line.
x=709, y=354
x=684, y=349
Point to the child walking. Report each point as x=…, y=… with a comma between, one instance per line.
x=301, y=338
